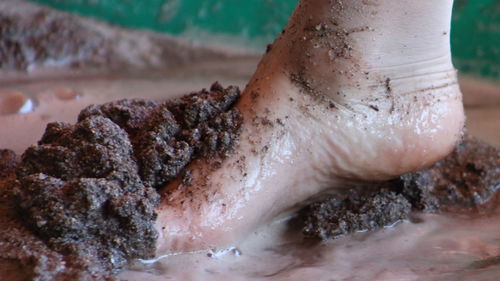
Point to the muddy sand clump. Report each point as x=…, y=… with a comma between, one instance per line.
x=88, y=190
x=466, y=181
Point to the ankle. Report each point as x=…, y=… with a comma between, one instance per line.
x=360, y=45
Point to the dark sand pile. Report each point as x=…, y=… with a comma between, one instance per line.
x=88, y=190
x=26, y=42
x=34, y=37
x=466, y=181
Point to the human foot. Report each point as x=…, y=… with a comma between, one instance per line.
x=350, y=91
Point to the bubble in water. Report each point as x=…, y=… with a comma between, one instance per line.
x=64, y=93
x=219, y=253
x=15, y=102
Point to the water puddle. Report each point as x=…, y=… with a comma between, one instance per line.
x=437, y=248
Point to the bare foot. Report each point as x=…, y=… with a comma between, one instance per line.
x=351, y=91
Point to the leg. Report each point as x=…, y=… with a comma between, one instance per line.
x=350, y=91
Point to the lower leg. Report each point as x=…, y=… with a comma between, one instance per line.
x=387, y=61
x=350, y=91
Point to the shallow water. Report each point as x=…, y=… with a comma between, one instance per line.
x=438, y=248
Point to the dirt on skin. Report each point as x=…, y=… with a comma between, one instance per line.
x=466, y=181
x=87, y=192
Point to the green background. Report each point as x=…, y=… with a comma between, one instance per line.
x=254, y=23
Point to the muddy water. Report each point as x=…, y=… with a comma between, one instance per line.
x=440, y=247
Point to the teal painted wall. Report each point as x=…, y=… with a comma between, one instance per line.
x=254, y=23
x=475, y=37
x=251, y=22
